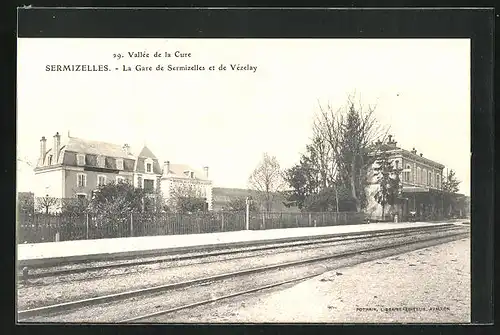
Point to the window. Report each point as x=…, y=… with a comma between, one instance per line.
x=397, y=165
x=50, y=160
x=80, y=159
x=429, y=178
x=120, y=180
x=81, y=180
x=149, y=185
x=424, y=176
x=438, y=180
x=192, y=174
x=407, y=173
x=418, y=176
x=148, y=167
x=119, y=163
x=101, y=161
x=81, y=196
x=101, y=180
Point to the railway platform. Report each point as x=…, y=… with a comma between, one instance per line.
x=53, y=253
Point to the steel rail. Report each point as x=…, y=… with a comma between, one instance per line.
x=317, y=241
x=134, y=293
x=261, y=288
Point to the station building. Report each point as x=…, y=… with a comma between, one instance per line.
x=421, y=188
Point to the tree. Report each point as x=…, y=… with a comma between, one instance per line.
x=323, y=201
x=267, y=179
x=451, y=183
x=450, y=186
x=302, y=179
x=113, y=203
x=388, y=181
x=240, y=205
x=26, y=202
x=187, y=198
x=46, y=204
x=341, y=154
x=120, y=197
x=74, y=206
x=355, y=151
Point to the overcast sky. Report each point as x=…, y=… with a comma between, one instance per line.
x=227, y=119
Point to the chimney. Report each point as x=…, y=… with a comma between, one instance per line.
x=43, y=149
x=126, y=148
x=421, y=155
x=166, y=167
x=414, y=151
x=390, y=139
x=205, y=168
x=57, y=146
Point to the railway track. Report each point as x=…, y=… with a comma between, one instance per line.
x=37, y=272
x=99, y=303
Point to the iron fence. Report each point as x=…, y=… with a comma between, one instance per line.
x=41, y=227
x=259, y=221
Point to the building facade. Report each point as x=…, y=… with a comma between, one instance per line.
x=77, y=167
x=421, y=184
x=183, y=178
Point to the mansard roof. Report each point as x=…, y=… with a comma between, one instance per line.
x=92, y=147
x=178, y=171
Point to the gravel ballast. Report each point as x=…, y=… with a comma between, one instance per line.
x=430, y=285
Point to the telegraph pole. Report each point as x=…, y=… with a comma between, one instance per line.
x=247, y=216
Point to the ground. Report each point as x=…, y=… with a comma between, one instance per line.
x=429, y=285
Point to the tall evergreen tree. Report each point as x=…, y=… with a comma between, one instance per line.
x=387, y=179
x=451, y=183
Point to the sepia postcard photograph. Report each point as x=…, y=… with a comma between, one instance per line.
x=243, y=180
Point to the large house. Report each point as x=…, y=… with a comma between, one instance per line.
x=183, y=178
x=421, y=179
x=76, y=167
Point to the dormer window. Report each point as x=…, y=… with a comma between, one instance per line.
x=191, y=174
x=119, y=163
x=49, y=160
x=80, y=159
x=148, y=165
x=101, y=161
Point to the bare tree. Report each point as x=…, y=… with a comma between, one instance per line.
x=267, y=179
x=45, y=204
x=349, y=133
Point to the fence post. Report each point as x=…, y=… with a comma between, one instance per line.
x=310, y=222
x=87, y=227
x=263, y=221
x=222, y=219
x=131, y=224
x=247, y=216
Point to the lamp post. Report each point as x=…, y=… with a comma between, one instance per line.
x=247, y=216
